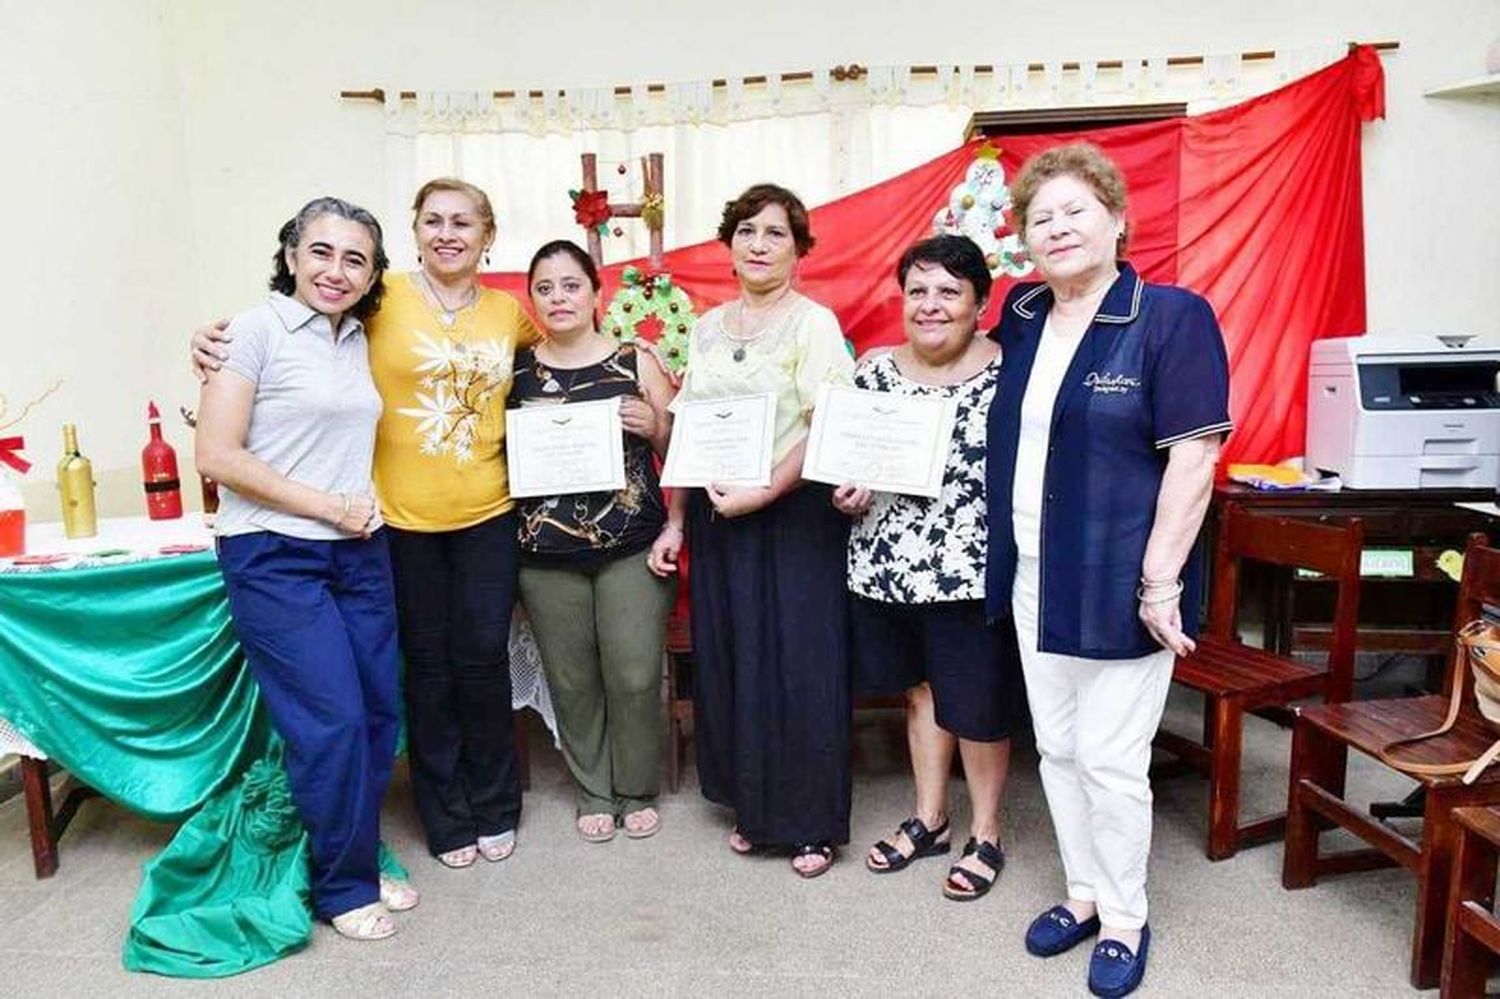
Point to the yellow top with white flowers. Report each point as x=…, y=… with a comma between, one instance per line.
x=443, y=377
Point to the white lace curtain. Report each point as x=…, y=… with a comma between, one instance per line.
x=822, y=138
x=820, y=156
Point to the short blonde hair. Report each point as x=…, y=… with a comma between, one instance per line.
x=475, y=194
x=1080, y=160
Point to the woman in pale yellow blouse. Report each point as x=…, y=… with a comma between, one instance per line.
x=441, y=351
x=769, y=613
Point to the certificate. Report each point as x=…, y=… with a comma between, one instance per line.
x=887, y=442
x=573, y=447
x=727, y=441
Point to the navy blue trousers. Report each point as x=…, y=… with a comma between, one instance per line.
x=317, y=620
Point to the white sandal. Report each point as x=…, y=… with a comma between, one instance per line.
x=647, y=823
x=398, y=896
x=464, y=856
x=497, y=848
x=368, y=922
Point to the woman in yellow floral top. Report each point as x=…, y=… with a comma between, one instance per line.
x=441, y=353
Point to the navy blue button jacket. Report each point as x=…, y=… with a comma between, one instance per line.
x=1151, y=371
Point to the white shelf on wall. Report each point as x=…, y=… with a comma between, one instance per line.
x=1480, y=86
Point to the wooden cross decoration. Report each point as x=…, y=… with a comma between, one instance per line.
x=593, y=209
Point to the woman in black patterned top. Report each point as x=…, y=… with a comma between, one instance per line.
x=598, y=613
x=916, y=572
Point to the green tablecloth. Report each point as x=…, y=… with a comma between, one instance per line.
x=130, y=676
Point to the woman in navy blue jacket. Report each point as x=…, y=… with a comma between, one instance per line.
x=1103, y=437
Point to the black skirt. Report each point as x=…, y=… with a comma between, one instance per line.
x=771, y=699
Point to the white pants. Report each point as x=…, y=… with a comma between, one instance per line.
x=1094, y=723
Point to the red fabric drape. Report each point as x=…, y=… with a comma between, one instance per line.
x=1271, y=232
x=1256, y=207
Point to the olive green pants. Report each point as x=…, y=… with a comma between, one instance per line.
x=600, y=632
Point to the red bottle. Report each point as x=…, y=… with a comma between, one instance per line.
x=159, y=471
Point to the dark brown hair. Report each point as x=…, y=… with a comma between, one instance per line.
x=958, y=255
x=290, y=237
x=756, y=197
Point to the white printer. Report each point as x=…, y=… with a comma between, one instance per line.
x=1405, y=412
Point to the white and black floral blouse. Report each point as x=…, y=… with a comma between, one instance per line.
x=914, y=550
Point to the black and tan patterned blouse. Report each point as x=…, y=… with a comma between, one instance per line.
x=582, y=530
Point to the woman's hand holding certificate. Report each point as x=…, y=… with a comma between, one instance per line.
x=885, y=442
x=575, y=447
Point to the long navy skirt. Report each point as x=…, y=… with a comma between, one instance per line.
x=771, y=699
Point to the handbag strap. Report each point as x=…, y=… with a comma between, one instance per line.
x=1476, y=644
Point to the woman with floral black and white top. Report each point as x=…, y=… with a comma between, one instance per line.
x=916, y=572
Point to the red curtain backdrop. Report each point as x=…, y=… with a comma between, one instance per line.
x=1256, y=207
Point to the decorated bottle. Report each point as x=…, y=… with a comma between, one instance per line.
x=12, y=517
x=159, y=473
x=75, y=482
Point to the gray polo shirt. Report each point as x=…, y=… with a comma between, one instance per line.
x=314, y=413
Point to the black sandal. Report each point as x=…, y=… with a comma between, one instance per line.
x=973, y=884
x=824, y=850
x=926, y=841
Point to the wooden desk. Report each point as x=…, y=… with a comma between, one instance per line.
x=1412, y=615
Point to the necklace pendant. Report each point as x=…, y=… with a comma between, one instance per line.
x=551, y=385
x=447, y=318
x=739, y=354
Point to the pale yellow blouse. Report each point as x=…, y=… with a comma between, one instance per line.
x=804, y=350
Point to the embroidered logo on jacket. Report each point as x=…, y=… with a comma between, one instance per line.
x=1108, y=384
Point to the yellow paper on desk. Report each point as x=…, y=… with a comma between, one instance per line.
x=1269, y=476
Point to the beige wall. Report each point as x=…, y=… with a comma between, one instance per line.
x=155, y=146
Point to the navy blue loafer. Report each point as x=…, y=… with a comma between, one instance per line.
x=1058, y=930
x=1114, y=971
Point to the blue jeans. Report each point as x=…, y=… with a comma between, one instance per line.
x=317, y=620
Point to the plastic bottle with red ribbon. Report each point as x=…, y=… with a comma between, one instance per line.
x=159, y=473
x=12, y=503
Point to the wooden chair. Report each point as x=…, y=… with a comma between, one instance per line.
x=1235, y=678
x=1320, y=740
x=1473, y=931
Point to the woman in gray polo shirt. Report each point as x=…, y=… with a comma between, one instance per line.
x=288, y=430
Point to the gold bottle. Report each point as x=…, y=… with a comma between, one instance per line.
x=75, y=481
